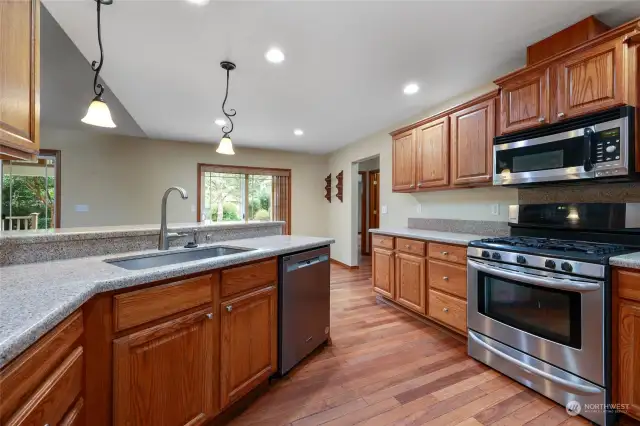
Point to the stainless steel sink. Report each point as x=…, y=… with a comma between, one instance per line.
x=155, y=260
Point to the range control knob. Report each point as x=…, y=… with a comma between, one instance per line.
x=495, y=256
x=566, y=266
x=485, y=253
x=550, y=264
x=610, y=148
x=521, y=259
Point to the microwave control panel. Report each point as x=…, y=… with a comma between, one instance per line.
x=607, y=146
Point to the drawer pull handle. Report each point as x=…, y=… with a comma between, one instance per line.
x=445, y=310
x=445, y=253
x=229, y=308
x=445, y=278
x=210, y=315
x=407, y=246
x=560, y=114
x=541, y=120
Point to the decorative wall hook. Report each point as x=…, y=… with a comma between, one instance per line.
x=339, y=186
x=327, y=188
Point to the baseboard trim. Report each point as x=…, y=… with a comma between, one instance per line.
x=455, y=334
x=337, y=262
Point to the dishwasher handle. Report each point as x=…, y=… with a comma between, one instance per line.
x=307, y=262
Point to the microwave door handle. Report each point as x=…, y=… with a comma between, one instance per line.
x=575, y=387
x=588, y=137
x=557, y=283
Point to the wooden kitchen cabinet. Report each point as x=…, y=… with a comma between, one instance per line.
x=19, y=78
x=403, y=152
x=472, y=133
x=249, y=339
x=524, y=100
x=411, y=284
x=432, y=161
x=629, y=355
x=164, y=374
x=383, y=272
x=590, y=80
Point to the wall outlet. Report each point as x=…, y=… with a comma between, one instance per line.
x=419, y=208
x=193, y=208
x=383, y=209
x=82, y=208
x=495, y=209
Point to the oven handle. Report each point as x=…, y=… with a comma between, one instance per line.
x=561, y=284
x=579, y=388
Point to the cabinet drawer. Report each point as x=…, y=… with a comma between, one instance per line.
x=141, y=306
x=448, y=310
x=448, y=252
x=411, y=246
x=448, y=277
x=244, y=278
x=55, y=396
x=383, y=241
x=22, y=376
x=75, y=416
x=628, y=284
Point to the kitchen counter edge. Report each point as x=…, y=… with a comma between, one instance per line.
x=427, y=235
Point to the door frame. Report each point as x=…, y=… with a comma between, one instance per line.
x=58, y=193
x=370, y=204
x=363, y=215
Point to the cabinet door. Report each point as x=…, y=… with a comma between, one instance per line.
x=590, y=80
x=383, y=277
x=19, y=75
x=432, y=141
x=524, y=101
x=472, y=132
x=404, y=175
x=163, y=375
x=629, y=356
x=411, y=282
x=249, y=342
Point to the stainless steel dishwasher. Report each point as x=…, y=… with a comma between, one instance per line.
x=303, y=314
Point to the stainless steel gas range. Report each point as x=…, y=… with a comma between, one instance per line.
x=539, y=300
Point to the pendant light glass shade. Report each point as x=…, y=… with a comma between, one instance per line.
x=225, y=147
x=98, y=114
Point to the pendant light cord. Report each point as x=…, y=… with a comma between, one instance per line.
x=97, y=87
x=231, y=113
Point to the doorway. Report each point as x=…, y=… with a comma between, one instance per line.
x=31, y=192
x=368, y=204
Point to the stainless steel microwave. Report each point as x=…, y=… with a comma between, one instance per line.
x=597, y=146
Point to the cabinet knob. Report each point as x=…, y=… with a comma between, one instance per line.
x=541, y=120
x=229, y=308
x=407, y=246
x=445, y=310
x=445, y=253
x=419, y=185
x=445, y=278
x=560, y=114
x=210, y=315
x=411, y=186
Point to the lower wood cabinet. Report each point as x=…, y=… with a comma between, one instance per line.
x=164, y=374
x=383, y=272
x=629, y=355
x=411, y=285
x=249, y=342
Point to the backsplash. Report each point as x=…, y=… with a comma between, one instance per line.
x=628, y=192
x=479, y=227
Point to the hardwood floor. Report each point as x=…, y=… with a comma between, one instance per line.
x=387, y=368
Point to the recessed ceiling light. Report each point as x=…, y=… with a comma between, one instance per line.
x=298, y=132
x=220, y=122
x=274, y=56
x=199, y=2
x=411, y=89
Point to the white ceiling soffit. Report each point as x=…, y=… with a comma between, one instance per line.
x=346, y=62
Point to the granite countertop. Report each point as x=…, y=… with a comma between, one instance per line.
x=423, y=234
x=36, y=297
x=631, y=260
x=88, y=233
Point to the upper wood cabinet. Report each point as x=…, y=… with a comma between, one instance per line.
x=432, y=140
x=590, y=80
x=404, y=175
x=167, y=365
x=411, y=282
x=382, y=274
x=472, y=132
x=19, y=78
x=524, y=101
x=249, y=342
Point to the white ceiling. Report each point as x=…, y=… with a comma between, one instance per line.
x=346, y=61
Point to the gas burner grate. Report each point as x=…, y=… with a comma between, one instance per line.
x=557, y=245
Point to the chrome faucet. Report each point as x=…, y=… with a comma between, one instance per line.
x=165, y=237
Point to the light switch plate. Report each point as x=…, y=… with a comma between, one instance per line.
x=495, y=209
x=82, y=208
x=383, y=209
x=419, y=208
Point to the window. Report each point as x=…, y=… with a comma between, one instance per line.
x=244, y=194
x=31, y=192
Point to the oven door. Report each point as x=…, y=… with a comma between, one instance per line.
x=557, y=318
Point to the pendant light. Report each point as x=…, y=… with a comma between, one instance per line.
x=98, y=113
x=226, y=146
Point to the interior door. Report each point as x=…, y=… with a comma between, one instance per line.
x=404, y=175
x=524, y=102
x=433, y=154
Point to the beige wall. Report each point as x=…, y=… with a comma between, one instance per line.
x=455, y=204
x=121, y=179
